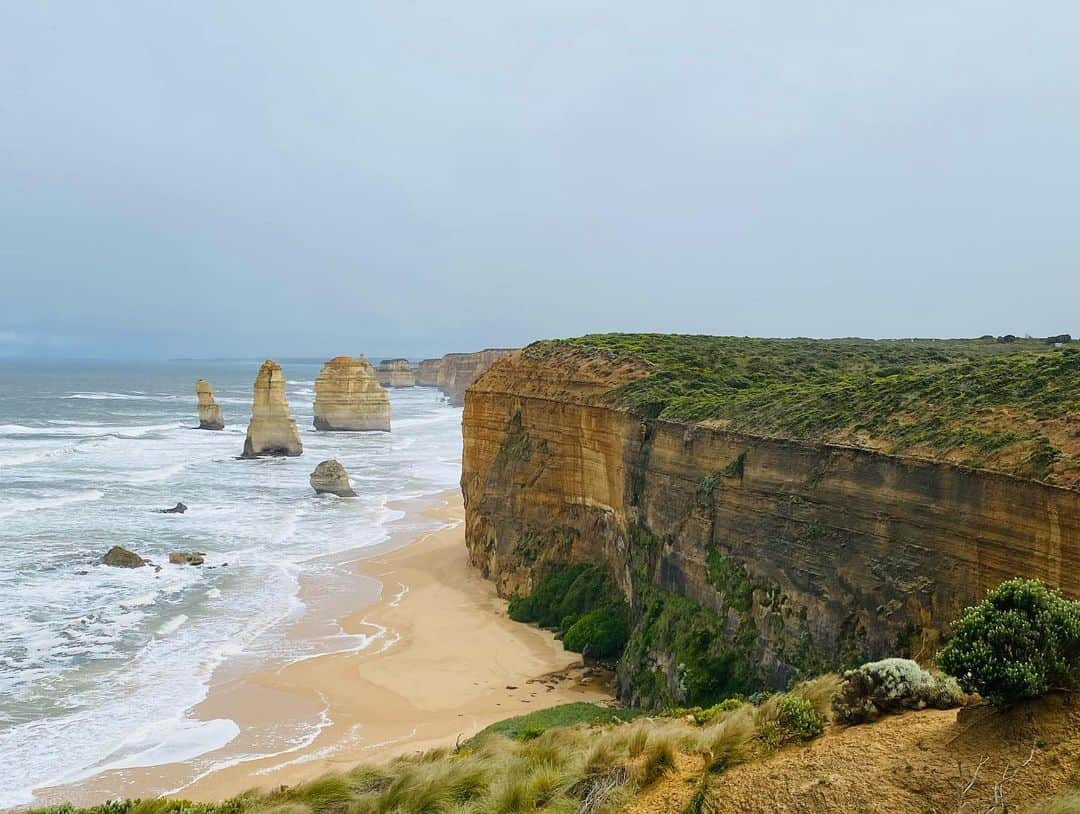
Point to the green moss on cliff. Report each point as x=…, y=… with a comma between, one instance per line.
x=980, y=402
x=582, y=604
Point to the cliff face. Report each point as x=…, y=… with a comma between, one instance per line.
x=348, y=396
x=210, y=417
x=427, y=372
x=458, y=370
x=395, y=373
x=272, y=430
x=804, y=555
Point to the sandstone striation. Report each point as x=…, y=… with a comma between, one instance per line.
x=806, y=555
x=458, y=370
x=331, y=478
x=427, y=373
x=272, y=430
x=348, y=396
x=210, y=417
x=396, y=373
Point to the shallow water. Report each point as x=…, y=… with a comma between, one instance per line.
x=96, y=663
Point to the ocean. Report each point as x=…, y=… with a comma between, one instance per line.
x=99, y=666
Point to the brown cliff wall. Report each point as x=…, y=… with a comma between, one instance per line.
x=849, y=554
x=456, y=371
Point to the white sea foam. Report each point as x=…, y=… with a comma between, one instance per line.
x=90, y=654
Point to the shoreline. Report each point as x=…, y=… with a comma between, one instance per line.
x=438, y=660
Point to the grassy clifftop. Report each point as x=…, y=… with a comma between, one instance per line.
x=1010, y=406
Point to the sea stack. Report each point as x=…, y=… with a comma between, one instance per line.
x=272, y=430
x=348, y=396
x=330, y=478
x=396, y=373
x=210, y=417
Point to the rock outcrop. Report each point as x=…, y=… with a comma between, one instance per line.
x=179, y=508
x=348, y=396
x=187, y=557
x=331, y=478
x=210, y=417
x=806, y=556
x=272, y=430
x=396, y=373
x=427, y=373
x=120, y=557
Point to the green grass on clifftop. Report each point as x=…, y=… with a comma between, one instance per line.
x=979, y=402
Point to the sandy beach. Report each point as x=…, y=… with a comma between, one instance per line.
x=444, y=662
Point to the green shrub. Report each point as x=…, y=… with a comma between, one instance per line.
x=602, y=632
x=1018, y=643
x=793, y=719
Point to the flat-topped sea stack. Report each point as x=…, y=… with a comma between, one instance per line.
x=427, y=373
x=348, y=397
x=458, y=370
x=396, y=373
x=272, y=431
x=210, y=417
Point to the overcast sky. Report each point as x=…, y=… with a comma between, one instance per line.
x=259, y=178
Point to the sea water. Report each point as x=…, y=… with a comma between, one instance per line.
x=99, y=665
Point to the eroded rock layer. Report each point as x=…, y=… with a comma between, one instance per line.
x=348, y=396
x=427, y=373
x=458, y=370
x=396, y=373
x=210, y=417
x=330, y=478
x=807, y=555
x=272, y=430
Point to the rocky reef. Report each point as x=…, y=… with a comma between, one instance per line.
x=746, y=559
x=272, y=430
x=330, y=478
x=210, y=417
x=348, y=396
x=396, y=373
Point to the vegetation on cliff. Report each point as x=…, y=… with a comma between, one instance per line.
x=979, y=402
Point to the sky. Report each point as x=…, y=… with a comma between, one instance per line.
x=411, y=178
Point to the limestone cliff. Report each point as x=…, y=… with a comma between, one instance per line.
x=272, y=430
x=804, y=555
x=458, y=370
x=396, y=373
x=427, y=373
x=210, y=417
x=348, y=396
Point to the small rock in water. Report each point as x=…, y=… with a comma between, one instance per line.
x=331, y=478
x=179, y=508
x=120, y=557
x=186, y=557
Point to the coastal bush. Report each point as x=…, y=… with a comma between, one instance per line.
x=601, y=633
x=564, y=715
x=789, y=718
x=892, y=685
x=1017, y=644
x=947, y=396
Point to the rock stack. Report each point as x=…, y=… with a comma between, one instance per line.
x=210, y=417
x=348, y=396
x=427, y=373
x=396, y=373
x=272, y=430
x=330, y=478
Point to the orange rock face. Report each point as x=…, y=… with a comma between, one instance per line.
x=847, y=552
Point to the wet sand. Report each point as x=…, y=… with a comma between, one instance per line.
x=444, y=662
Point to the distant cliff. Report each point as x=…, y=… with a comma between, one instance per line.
x=752, y=554
x=454, y=372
